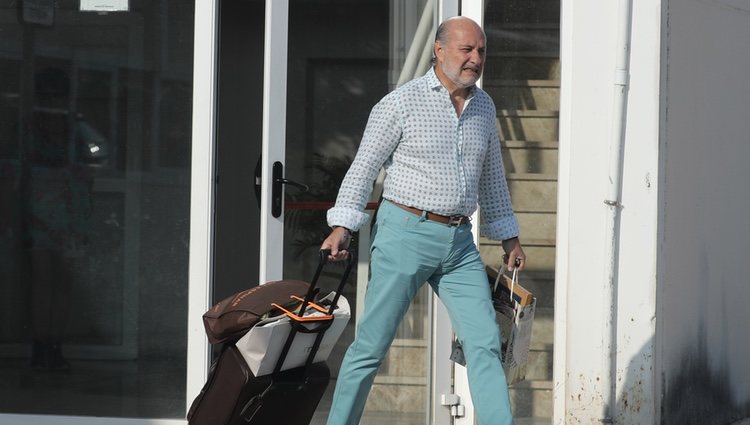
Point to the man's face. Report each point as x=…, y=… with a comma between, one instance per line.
x=462, y=56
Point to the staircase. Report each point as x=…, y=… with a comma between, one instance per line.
x=522, y=76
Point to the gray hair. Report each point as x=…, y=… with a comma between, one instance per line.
x=440, y=37
x=440, y=33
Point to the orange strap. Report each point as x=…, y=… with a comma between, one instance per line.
x=299, y=318
x=313, y=305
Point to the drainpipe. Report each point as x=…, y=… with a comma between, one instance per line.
x=612, y=202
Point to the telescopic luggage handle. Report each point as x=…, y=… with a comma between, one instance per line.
x=297, y=325
x=313, y=291
x=322, y=261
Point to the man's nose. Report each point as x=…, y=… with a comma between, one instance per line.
x=476, y=57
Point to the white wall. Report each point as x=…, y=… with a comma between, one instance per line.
x=704, y=205
x=588, y=62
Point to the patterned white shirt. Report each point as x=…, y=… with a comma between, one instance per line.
x=434, y=159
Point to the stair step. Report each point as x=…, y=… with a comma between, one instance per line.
x=533, y=192
x=493, y=82
x=538, y=228
x=523, y=11
x=539, y=366
x=401, y=398
x=528, y=125
x=527, y=158
x=531, y=399
x=405, y=362
x=532, y=68
x=529, y=144
x=542, y=285
x=527, y=113
x=524, y=96
x=553, y=54
x=543, y=329
x=530, y=384
x=518, y=38
x=531, y=177
x=400, y=380
x=532, y=421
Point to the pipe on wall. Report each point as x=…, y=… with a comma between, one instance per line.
x=614, y=205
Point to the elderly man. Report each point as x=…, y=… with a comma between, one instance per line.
x=437, y=139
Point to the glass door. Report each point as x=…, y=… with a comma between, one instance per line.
x=326, y=65
x=95, y=192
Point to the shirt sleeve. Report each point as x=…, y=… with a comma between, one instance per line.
x=380, y=138
x=497, y=220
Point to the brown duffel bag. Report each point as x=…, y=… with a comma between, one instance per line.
x=232, y=317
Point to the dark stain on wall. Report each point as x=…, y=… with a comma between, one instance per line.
x=697, y=394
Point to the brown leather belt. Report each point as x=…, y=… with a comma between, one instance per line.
x=451, y=220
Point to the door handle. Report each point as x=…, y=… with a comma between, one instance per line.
x=277, y=189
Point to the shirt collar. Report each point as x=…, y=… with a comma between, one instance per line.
x=433, y=82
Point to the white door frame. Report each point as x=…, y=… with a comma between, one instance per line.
x=274, y=136
x=473, y=9
x=201, y=194
x=444, y=374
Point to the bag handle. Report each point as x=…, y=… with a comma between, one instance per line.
x=513, y=279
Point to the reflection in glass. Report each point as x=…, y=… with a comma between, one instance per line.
x=94, y=207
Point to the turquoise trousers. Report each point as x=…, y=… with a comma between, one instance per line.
x=408, y=250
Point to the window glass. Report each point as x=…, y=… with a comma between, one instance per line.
x=95, y=128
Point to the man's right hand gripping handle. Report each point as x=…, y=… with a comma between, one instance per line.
x=338, y=242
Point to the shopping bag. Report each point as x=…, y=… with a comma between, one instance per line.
x=514, y=307
x=514, y=311
x=261, y=347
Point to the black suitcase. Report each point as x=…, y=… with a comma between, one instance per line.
x=233, y=396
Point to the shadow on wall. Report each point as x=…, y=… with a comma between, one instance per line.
x=695, y=393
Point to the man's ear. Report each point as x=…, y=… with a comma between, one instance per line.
x=438, y=50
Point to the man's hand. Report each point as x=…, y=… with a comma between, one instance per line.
x=338, y=242
x=514, y=254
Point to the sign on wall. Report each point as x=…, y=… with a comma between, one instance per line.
x=104, y=5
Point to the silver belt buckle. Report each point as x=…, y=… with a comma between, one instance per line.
x=456, y=220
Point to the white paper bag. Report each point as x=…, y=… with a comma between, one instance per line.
x=261, y=346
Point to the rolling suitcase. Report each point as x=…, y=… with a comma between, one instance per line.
x=232, y=395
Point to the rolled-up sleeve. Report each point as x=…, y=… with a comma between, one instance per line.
x=497, y=220
x=380, y=138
